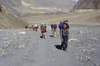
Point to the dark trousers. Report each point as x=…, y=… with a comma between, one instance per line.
x=64, y=44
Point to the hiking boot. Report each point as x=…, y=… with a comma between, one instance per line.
x=65, y=50
x=61, y=48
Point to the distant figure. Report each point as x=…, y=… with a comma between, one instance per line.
x=54, y=30
x=26, y=26
x=33, y=27
x=36, y=27
x=42, y=28
x=30, y=27
x=44, y=32
x=52, y=26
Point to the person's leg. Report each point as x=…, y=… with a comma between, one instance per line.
x=66, y=43
x=55, y=34
x=42, y=35
x=62, y=43
x=45, y=35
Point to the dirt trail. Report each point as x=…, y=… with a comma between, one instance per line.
x=22, y=47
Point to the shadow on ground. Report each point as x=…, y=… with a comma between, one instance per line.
x=41, y=37
x=58, y=46
x=51, y=35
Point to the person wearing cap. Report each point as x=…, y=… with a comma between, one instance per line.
x=64, y=37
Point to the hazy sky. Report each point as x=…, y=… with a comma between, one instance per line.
x=75, y=0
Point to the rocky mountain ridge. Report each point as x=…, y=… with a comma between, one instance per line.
x=22, y=7
x=86, y=4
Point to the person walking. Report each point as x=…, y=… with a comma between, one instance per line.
x=63, y=26
x=26, y=26
x=54, y=30
x=44, y=32
x=52, y=26
x=30, y=27
x=64, y=38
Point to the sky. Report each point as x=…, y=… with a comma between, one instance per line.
x=75, y=0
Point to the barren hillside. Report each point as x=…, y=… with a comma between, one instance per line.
x=8, y=21
x=22, y=7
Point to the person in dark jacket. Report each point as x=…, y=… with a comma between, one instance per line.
x=26, y=26
x=64, y=38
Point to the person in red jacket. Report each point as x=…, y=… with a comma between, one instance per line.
x=44, y=32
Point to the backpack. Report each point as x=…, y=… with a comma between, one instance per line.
x=66, y=25
x=60, y=25
x=52, y=26
x=55, y=26
x=43, y=26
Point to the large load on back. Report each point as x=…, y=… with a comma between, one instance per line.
x=42, y=26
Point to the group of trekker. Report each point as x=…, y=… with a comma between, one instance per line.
x=63, y=26
x=34, y=27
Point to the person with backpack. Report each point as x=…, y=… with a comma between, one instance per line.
x=54, y=30
x=36, y=27
x=30, y=27
x=42, y=27
x=60, y=27
x=44, y=32
x=64, y=38
x=26, y=26
x=52, y=26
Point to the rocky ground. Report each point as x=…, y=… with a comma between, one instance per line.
x=21, y=47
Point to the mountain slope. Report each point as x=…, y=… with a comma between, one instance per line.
x=22, y=7
x=87, y=4
x=8, y=21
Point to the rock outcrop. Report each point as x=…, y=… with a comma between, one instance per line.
x=3, y=9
